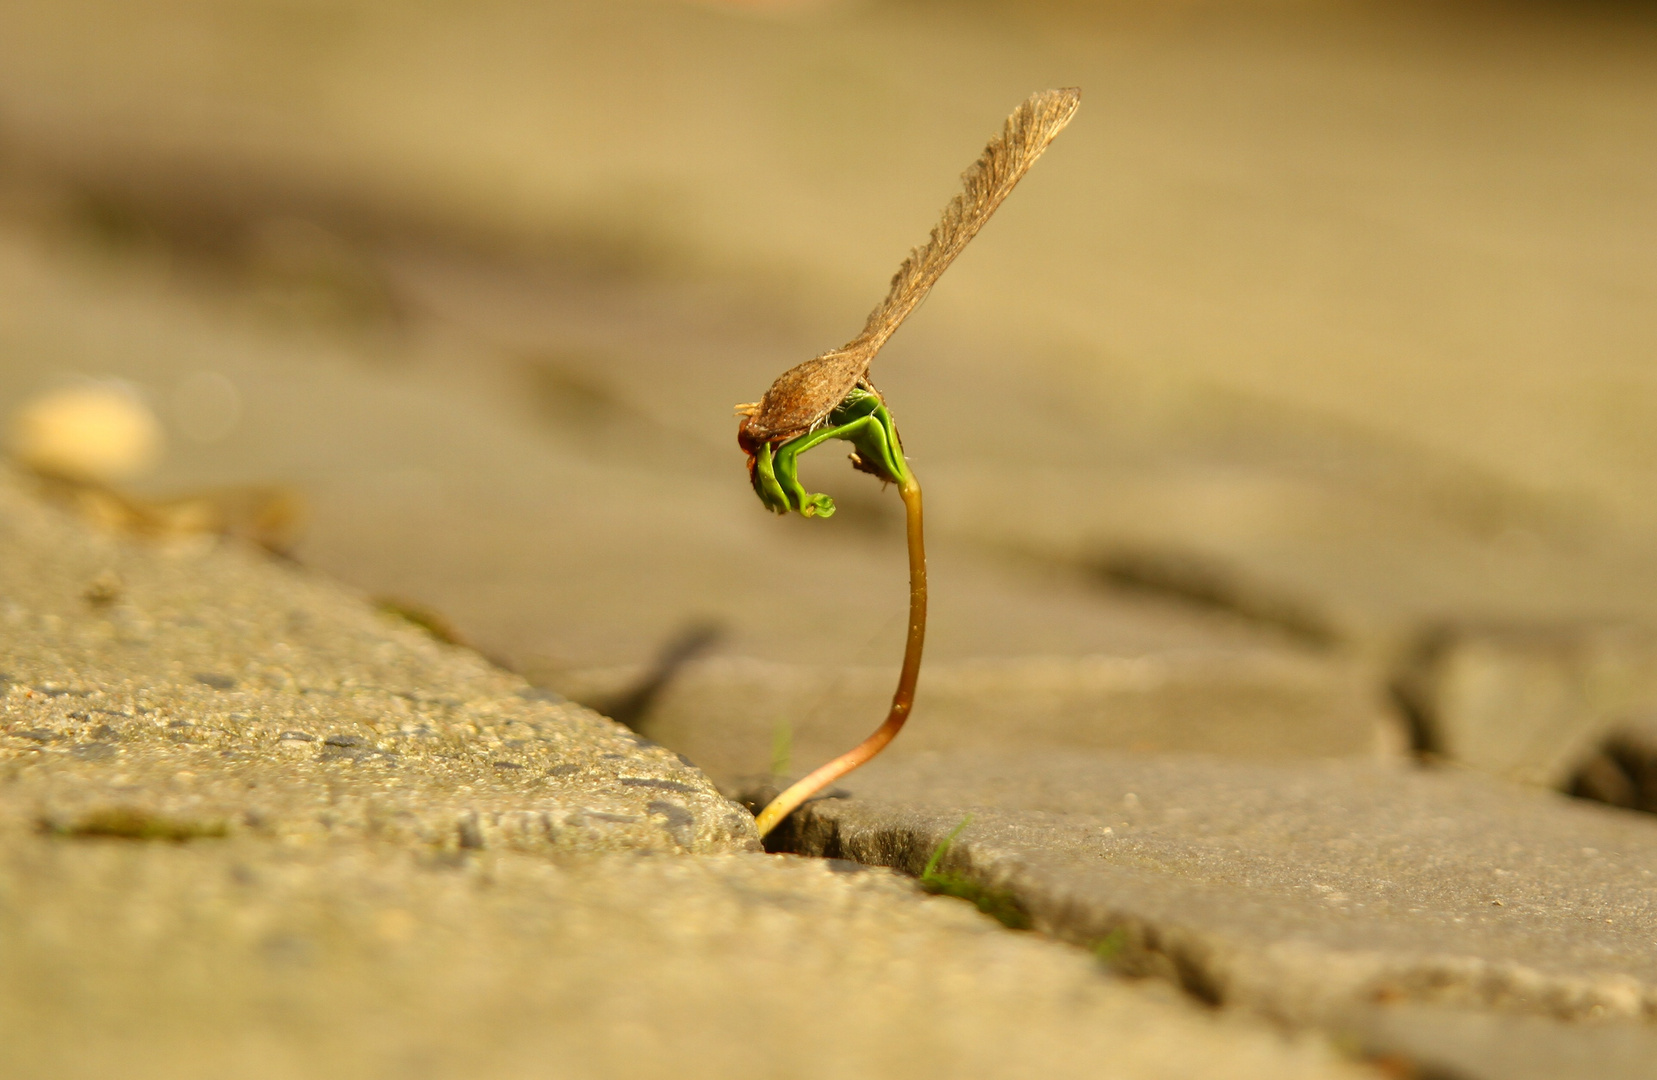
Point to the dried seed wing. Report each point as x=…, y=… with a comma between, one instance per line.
x=1027, y=133
x=803, y=396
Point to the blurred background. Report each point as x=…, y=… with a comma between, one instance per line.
x=1301, y=400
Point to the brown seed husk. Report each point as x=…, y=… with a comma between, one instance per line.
x=803, y=396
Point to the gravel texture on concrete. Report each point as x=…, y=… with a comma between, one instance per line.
x=204, y=689
x=1305, y=891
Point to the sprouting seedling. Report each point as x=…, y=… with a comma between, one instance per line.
x=830, y=397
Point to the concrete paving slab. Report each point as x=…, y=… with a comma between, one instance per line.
x=205, y=689
x=239, y=957
x=1506, y=1046
x=1313, y=893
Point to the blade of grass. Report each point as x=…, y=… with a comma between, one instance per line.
x=943, y=847
x=782, y=748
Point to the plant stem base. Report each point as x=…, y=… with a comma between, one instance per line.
x=903, y=699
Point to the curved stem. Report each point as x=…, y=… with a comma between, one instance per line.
x=902, y=700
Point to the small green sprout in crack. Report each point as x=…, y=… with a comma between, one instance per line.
x=1108, y=949
x=942, y=849
x=1003, y=907
x=782, y=748
x=998, y=904
x=830, y=397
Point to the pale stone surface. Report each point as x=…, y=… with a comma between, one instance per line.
x=241, y=958
x=207, y=688
x=1507, y=1046
x=1196, y=346
x=1313, y=893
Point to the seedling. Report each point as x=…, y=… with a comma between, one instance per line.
x=830, y=397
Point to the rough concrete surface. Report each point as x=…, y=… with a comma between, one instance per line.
x=1295, y=888
x=1477, y=1043
x=250, y=826
x=239, y=958
x=1310, y=892
x=205, y=688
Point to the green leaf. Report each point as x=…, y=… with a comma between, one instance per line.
x=862, y=420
